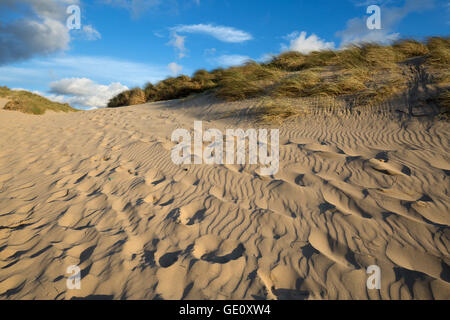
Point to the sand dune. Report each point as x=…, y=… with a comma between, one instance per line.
x=98, y=189
x=3, y=102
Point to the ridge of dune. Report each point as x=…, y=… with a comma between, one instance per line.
x=98, y=190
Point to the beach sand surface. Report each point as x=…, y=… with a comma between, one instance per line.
x=98, y=190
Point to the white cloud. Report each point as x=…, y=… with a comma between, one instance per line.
x=36, y=28
x=357, y=32
x=222, y=33
x=23, y=39
x=178, y=42
x=175, y=68
x=90, y=33
x=231, y=60
x=84, y=92
x=301, y=43
x=37, y=73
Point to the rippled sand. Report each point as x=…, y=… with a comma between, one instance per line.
x=98, y=189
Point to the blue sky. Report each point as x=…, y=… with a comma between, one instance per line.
x=125, y=43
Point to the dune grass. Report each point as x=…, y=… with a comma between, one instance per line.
x=128, y=98
x=364, y=74
x=27, y=102
x=439, y=52
x=248, y=81
x=277, y=111
x=410, y=48
x=169, y=89
x=443, y=99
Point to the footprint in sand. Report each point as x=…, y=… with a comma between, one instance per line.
x=128, y=168
x=154, y=177
x=169, y=259
x=87, y=185
x=71, y=216
x=212, y=249
x=382, y=163
x=58, y=196
x=192, y=213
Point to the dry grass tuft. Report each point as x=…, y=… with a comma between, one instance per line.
x=128, y=98
x=28, y=102
x=299, y=85
x=439, y=52
x=248, y=81
x=444, y=100
x=409, y=48
x=277, y=111
x=365, y=74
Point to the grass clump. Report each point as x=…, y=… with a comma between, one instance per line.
x=176, y=88
x=341, y=85
x=288, y=61
x=168, y=89
x=439, y=56
x=277, y=111
x=410, y=48
x=367, y=56
x=300, y=85
x=206, y=80
x=444, y=100
x=248, y=81
x=128, y=98
x=235, y=86
x=367, y=73
x=27, y=102
x=295, y=61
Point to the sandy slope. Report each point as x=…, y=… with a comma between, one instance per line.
x=98, y=189
x=3, y=102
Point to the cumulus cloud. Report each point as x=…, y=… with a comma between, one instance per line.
x=175, y=68
x=231, y=60
x=222, y=33
x=357, y=32
x=301, y=43
x=84, y=92
x=35, y=27
x=102, y=69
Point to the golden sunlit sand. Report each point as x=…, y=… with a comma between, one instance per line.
x=98, y=189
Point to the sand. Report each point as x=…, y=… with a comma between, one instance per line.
x=3, y=102
x=98, y=189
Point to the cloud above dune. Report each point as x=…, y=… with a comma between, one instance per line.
x=31, y=28
x=174, y=68
x=177, y=42
x=231, y=60
x=221, y=33
x=102, y=69
x=298, y=41
x=356, y=30
x=84, y=92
